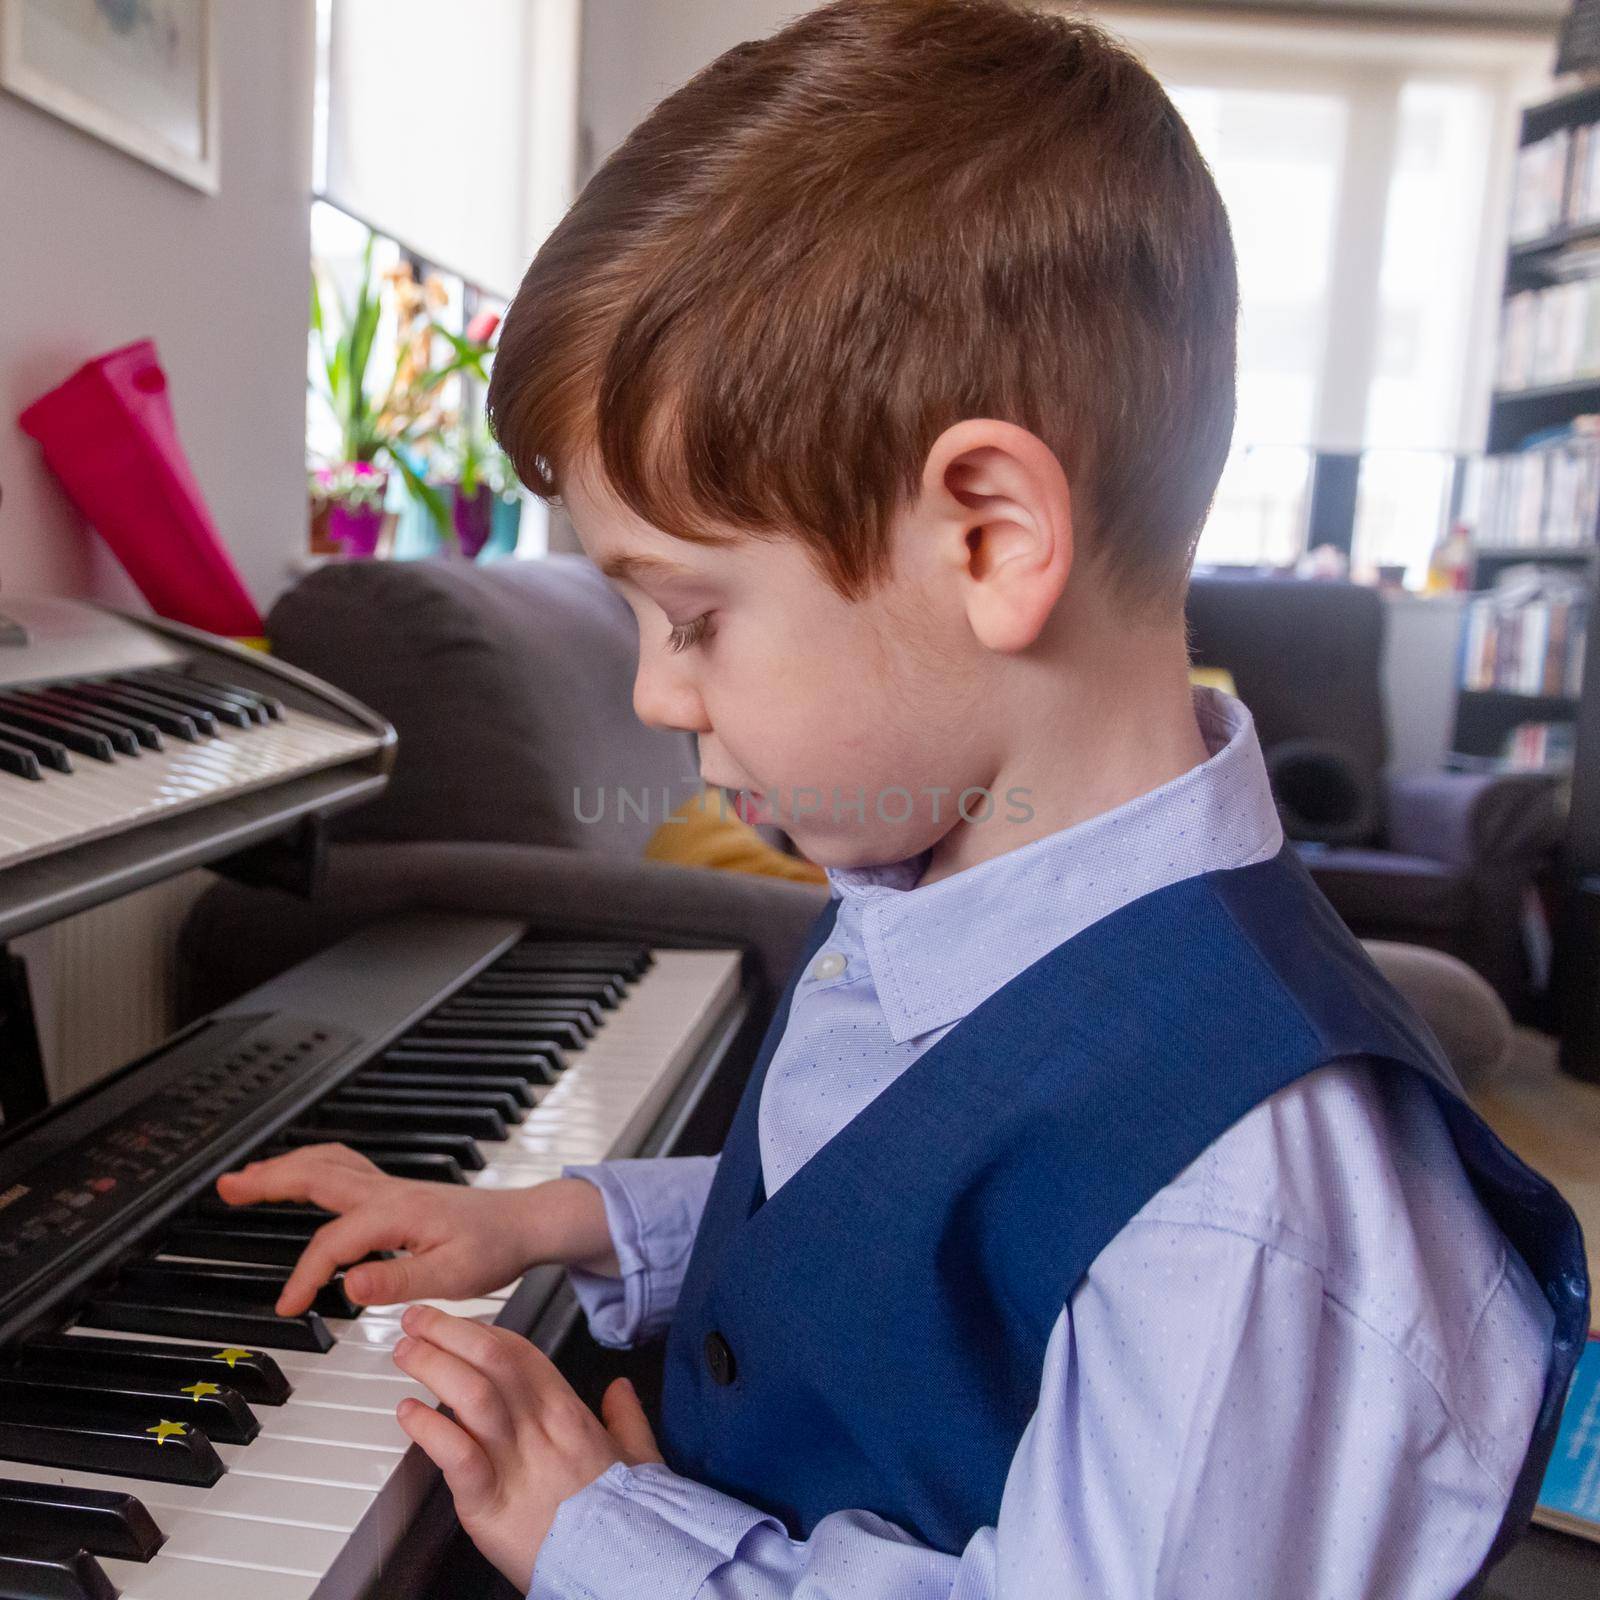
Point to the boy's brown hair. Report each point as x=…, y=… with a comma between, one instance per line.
x=833, y=243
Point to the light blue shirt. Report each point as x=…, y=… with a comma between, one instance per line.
x=1310, y=1365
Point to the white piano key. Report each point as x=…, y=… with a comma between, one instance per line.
x=182, y=1579
x=343, y=1466
x=313, y=1424
x=365, y=1393
x=234, y=1494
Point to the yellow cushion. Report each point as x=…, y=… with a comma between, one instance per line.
x=707, y=832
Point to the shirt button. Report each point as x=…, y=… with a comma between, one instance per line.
x=828, y=966
x=719, y=1358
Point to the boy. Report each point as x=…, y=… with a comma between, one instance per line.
x=1096, y=1221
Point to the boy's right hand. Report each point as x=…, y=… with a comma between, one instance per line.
x=459, y=1242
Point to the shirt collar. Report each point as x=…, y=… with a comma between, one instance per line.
x=939, y=950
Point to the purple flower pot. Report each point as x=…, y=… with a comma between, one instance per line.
x=473, y=519
x=355, y=529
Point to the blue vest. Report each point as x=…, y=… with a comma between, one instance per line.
x=873, y=1336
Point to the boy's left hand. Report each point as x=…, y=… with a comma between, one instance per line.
x=521, y=1441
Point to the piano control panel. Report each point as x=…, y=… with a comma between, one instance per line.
x=151, y=1126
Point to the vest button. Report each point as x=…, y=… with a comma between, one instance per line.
x=719, y=1358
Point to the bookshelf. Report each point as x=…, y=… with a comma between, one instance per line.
x=1549, y=375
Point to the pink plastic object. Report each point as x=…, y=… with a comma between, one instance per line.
x=109, y=435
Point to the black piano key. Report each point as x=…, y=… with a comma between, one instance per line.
x=632, y=959
x=264, y=1246
x=201, y=690
x=508, y=986
x=50, y=752
x=305, y=1332
x=373, y=1116
x=562, y=1034
x=30, y=1570
x=145, y=731
x=460, y=1147
x=378, y=1092
x=74, y=735
x=426, y=1168
x=88, y=1358
x=18, y=762
x=105, y=1522
x=215, y=1286
x=153, y=676
x=123, y=738
x=517, y=1014
x=218, y=1412
x=168, y=1450
x=536, y=1066
x=171, y=716
x=193, y=702
x=279, y=1216
x=520, y=1090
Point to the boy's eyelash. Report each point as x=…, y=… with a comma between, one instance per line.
x=684, y=634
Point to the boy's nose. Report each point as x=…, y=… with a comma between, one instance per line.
x=666, y=698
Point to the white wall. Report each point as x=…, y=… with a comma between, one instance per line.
x=97, y=249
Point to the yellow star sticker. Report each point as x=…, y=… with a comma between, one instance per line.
x=198, y=1391
x=232, y=1354
x=164, y=1430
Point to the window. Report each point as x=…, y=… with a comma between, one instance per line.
x=1366, y=172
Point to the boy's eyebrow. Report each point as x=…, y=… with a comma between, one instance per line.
x=630, y=567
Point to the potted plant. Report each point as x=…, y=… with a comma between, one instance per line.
x=379, y=424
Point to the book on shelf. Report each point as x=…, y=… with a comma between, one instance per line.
x=1527, y=635
x=1545, y=497
x=1569, y=1498
x=1549, y=336
x=1538, y=747
x=1543, y=186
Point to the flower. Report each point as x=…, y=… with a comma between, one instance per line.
x=482, y=327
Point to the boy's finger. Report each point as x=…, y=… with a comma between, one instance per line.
x=495, y=1351
x=469, y=1392
x=626, y=1422
x=466, y=1467
x=314, y=1175
x=336, y=1244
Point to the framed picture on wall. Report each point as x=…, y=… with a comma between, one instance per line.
x=140, y=74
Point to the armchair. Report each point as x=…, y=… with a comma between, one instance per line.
x=1446, y=857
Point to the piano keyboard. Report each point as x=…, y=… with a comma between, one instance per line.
x=169, y=1438
x=133, y=748
x=87, y=757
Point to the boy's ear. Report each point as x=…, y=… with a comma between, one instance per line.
x=1003, y=511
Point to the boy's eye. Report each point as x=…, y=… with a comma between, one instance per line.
x=684, y=634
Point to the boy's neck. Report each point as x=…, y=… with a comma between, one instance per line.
x=1105, y=743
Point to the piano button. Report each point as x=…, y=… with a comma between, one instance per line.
x=50, y=752
x=380, y=1090
x=217, y=1412
x=18, y=762
x=518, y=1089
x=208, y=1286
x=105, y=1522
x=171, y=716
x=75, y=1356
x=372, y=1116
x=30, y=1570
x=165, y=1448
x=305, y=1332
x=74, y=735
x=117, y=729
x=221, y=707
x=462, y=1148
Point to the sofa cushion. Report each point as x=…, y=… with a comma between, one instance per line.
x=511, y=688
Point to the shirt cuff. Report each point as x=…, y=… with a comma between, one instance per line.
x=653, y=1209
x=640, y=1530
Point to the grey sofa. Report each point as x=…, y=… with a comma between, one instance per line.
x=511, y=688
